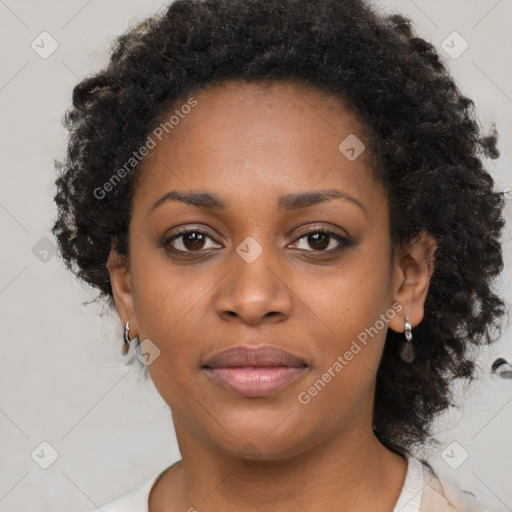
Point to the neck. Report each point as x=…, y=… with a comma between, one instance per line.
x=352, y=471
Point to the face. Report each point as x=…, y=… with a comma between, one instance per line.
x=269, y=265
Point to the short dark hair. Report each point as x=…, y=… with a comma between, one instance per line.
x=423, y=135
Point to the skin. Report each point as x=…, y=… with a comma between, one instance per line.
x=251, y=144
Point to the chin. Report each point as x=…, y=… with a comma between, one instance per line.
x=264, y=444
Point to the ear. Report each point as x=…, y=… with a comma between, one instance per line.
x=118, y=266
x=413, y=266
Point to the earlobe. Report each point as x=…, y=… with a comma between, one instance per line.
x=120, y=279
x=413, y=269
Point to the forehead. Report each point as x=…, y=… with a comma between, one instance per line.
x=272, y=137
x=262, y=107
x=270, y=93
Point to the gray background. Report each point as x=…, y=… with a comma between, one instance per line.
x=62, y=380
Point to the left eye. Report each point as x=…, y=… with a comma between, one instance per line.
x=322, y=240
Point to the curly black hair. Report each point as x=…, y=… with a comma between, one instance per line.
x=423, y=135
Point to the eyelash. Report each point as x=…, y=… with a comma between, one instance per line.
x=343, y=242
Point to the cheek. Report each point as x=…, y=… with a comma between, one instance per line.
x=351, y=297
x=348, y=308
x=167, y=301
x=167, y=305
x=346, y=360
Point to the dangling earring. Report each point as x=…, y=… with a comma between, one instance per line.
x=126, y=344
x=407, y=350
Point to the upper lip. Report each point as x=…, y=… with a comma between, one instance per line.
x=264, y=356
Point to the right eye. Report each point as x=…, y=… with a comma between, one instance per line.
x=188, y=240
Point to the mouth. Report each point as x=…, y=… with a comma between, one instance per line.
x=254, y=372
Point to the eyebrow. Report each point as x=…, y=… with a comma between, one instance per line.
x=289, y=202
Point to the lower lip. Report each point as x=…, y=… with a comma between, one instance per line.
x=253, y=381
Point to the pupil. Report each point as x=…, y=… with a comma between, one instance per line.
x=193, y=240
x=323, y=238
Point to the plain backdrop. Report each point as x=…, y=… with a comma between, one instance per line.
x=63, y=382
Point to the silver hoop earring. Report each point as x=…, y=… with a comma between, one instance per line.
x=126, y=344
x=407, y=350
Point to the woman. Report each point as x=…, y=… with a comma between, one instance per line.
x=285, y=203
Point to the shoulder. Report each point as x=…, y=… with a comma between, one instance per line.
x=440, y=494
x=135, y=501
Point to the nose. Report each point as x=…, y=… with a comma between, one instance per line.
x=254, y=290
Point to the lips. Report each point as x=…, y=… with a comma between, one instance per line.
x=260, y=356
x=254, y=372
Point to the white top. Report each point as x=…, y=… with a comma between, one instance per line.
x=422, y=491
